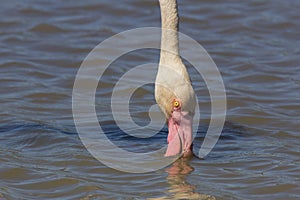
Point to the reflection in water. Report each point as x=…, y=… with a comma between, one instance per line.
x=179, y=187
x=254, y=43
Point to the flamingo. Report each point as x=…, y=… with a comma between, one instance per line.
x=173, y=90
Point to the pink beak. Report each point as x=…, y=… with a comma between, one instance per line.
x=180, y=137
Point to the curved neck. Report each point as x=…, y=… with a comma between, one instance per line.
x=169, y=37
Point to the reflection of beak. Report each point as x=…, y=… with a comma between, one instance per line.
x=180, y=167
x=180, y=137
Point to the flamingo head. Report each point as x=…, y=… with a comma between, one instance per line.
x=177, y=102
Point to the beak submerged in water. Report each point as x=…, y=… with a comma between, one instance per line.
x=180, y=136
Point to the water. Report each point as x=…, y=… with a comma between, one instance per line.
x=254, y=44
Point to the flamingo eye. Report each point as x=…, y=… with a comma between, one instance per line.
x=176, y=104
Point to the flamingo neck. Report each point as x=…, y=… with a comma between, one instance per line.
x=169, y=37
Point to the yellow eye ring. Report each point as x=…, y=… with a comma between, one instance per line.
x=176, y=104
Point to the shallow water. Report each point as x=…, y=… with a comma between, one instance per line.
x=255, y=45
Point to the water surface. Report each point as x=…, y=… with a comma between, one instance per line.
x=254, y=43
